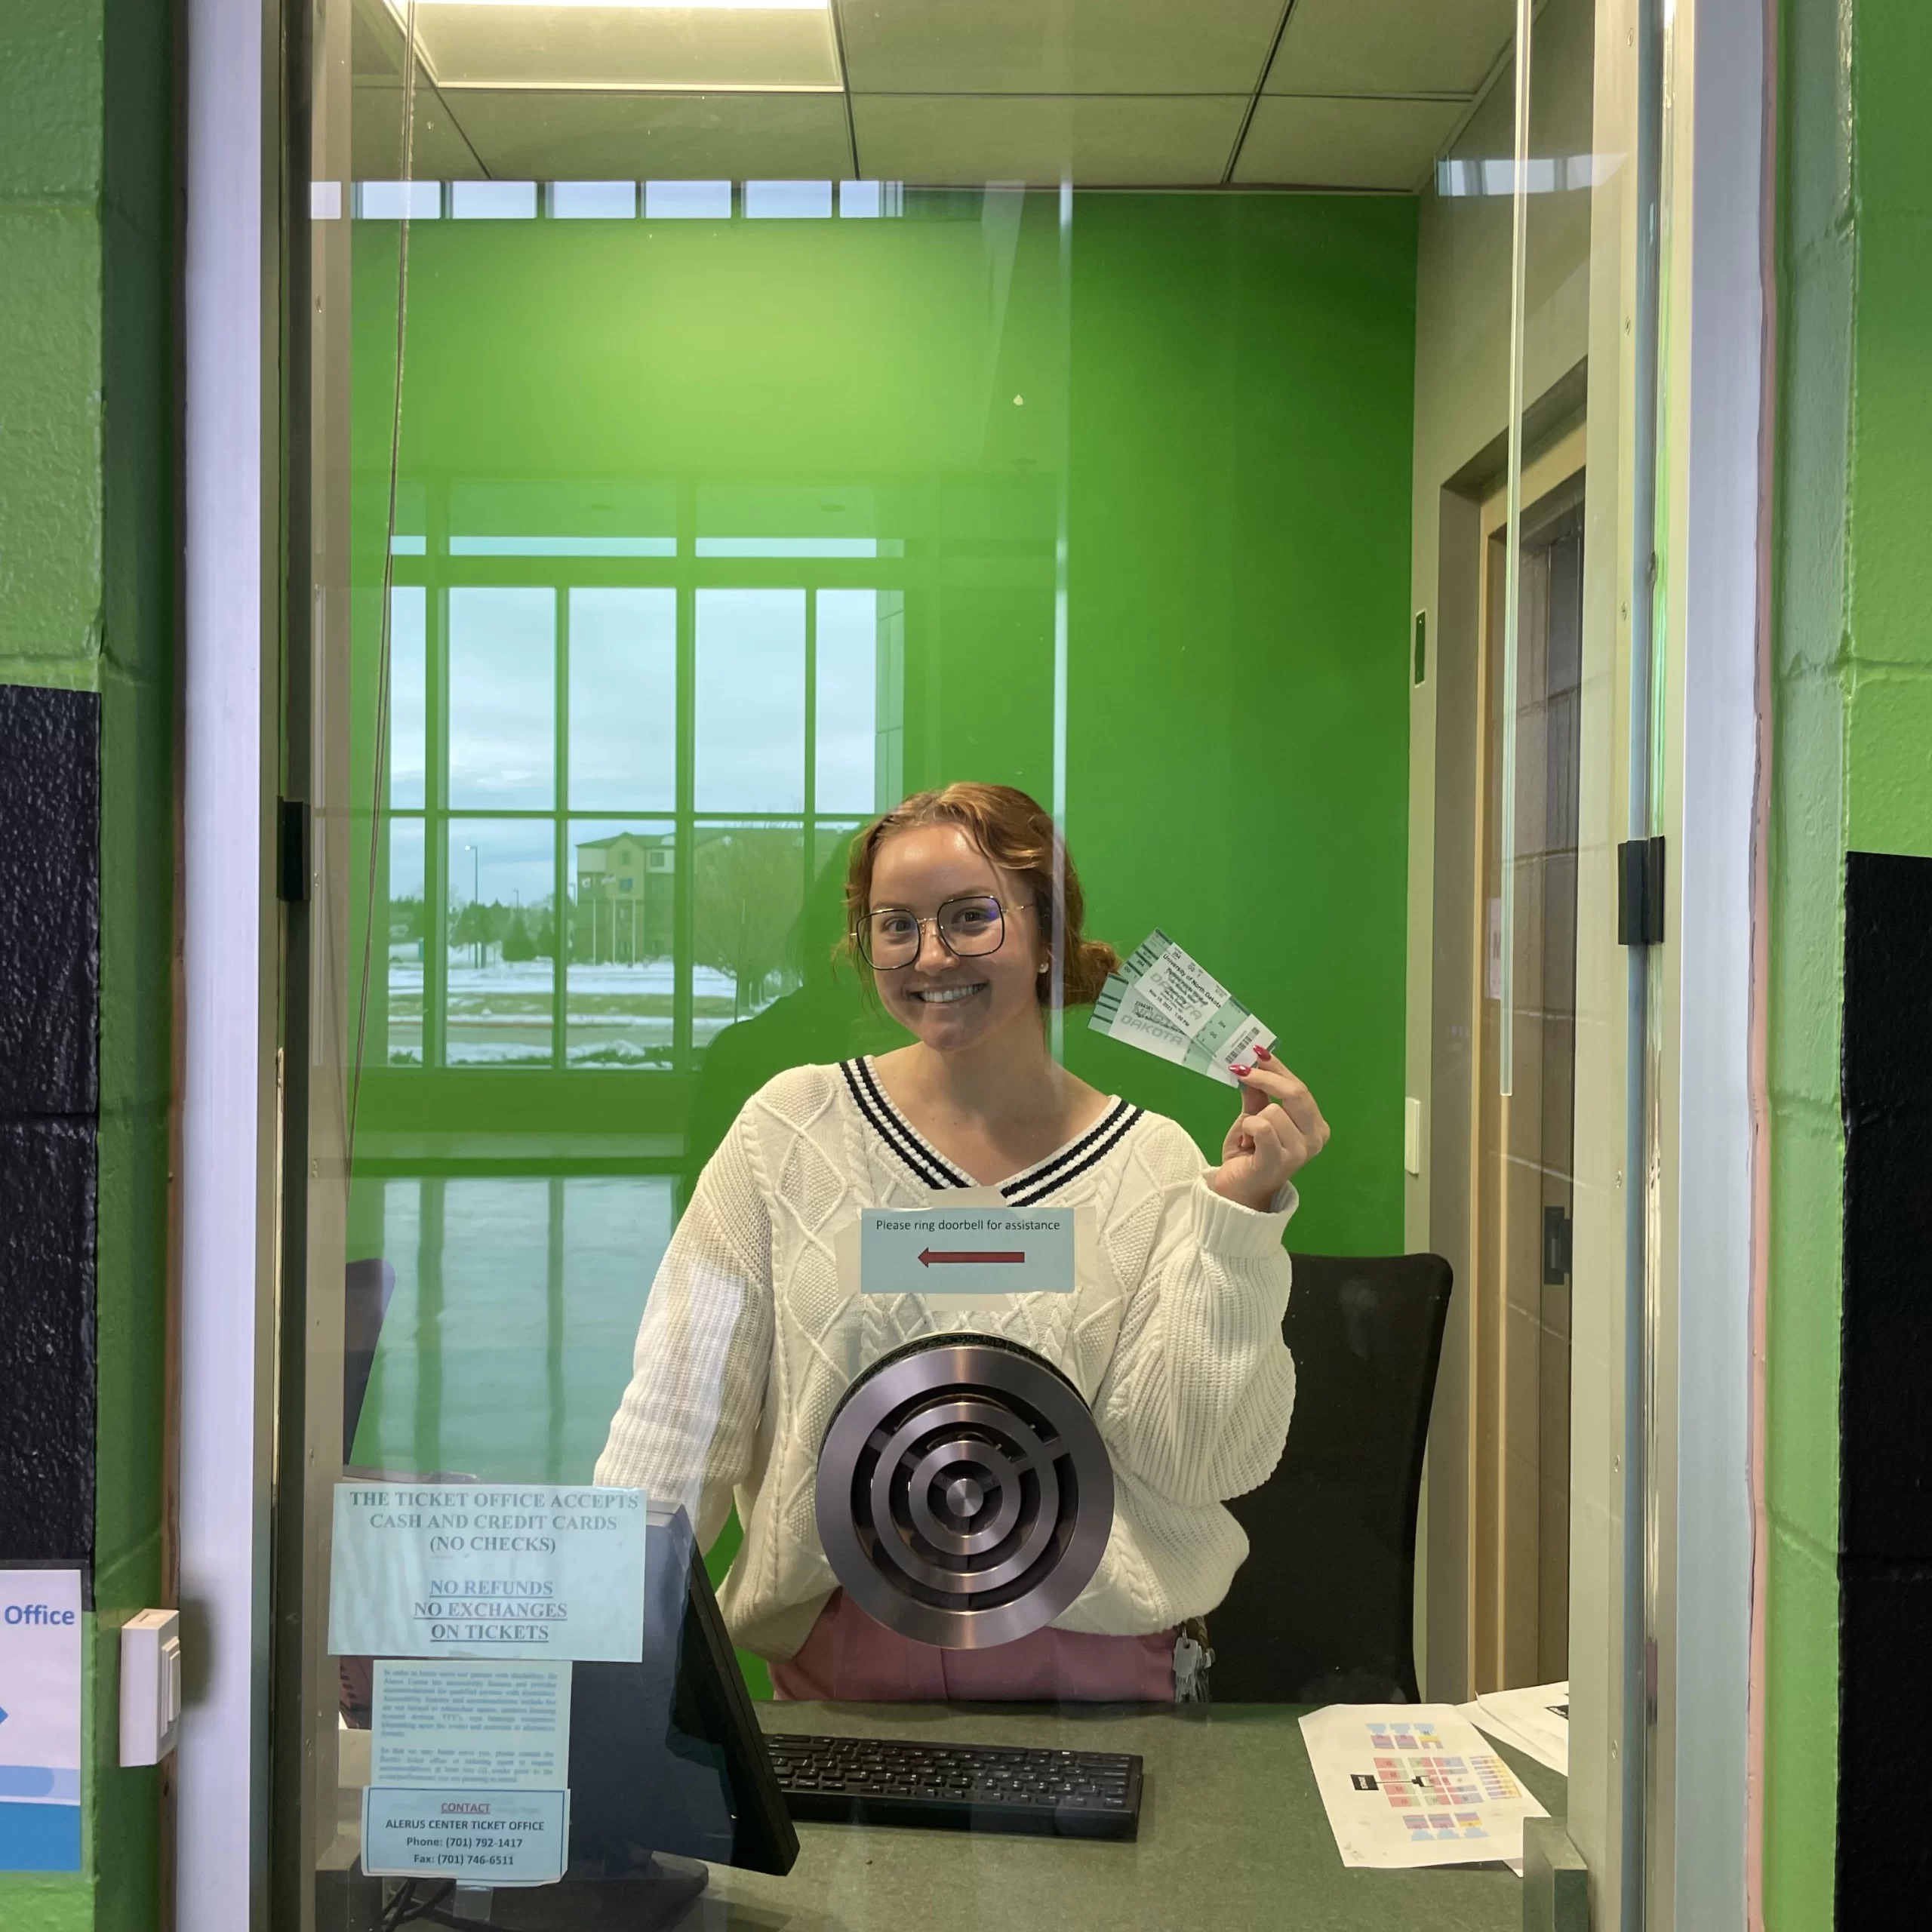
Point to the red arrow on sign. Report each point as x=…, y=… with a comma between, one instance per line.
x=929, y=1255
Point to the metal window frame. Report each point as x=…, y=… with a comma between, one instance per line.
x=228, y=1095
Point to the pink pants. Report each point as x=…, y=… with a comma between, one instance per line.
x=850, y=1659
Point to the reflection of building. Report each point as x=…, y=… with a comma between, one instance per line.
x=625, y=885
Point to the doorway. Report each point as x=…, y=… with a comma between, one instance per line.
x=1522, y=1169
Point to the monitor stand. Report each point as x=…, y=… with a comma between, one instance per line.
x=656, y=1898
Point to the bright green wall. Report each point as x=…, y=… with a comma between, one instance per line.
x=1243, y=374
x=87, y=535
x=1223, y=384
x=1852, y=770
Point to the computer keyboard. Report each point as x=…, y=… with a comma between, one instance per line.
x=959, y=1787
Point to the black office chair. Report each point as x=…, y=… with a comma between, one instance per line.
x=1323, y=1610
x=366, y=1286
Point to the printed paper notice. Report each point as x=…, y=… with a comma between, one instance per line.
x=458, y=1721
x=420, y=1570
x=40, y=1719
x=1168, y=1005
x=491, y=1837
x=978, y=1251
x=1407, y=1785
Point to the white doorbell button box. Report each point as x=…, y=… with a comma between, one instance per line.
x=150, y=1686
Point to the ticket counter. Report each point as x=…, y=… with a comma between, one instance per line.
x=718, y=426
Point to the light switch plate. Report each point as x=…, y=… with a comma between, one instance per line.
x=1412, y=1134
x=150, y=1686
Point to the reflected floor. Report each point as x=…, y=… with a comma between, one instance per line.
x=508, y=1341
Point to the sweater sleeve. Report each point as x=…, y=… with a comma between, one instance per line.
x=1196, y=1400
x=686, y=1429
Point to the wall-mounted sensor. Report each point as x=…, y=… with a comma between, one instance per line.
x=150, y=1686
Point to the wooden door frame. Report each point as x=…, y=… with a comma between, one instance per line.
x=1558, y=465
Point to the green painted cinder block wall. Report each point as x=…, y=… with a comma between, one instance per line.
x=1852, y=770
x=87, y=543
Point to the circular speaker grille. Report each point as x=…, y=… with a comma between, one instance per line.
x=965, y=1496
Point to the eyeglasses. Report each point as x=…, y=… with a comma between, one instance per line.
x=968, y=927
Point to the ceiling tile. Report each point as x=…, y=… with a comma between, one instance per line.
x=531, y=134
x=1091, y=139
x=438, y=151
x=1057, y=46
x=1298, y=142
x=1390, y=46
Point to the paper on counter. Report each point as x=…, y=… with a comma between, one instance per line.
x=1167, y=1004
x=1535, y=1722
x=1412, y=1785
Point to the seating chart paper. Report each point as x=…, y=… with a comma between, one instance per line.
x=1167, y=1004
x=1409, y=1784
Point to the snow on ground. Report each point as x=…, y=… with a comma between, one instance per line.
x=533, y=975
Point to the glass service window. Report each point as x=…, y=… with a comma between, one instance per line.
x=667, y=530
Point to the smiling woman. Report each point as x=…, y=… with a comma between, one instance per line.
x=967, y=911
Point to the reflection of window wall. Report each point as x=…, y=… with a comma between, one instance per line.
x=608, y=797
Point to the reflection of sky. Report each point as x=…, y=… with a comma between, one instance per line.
x=624, y=699
x=408, y=735
x=847, y=699
x=406, y=858
x=512, y=856
x=502, y=698
x=751, y=701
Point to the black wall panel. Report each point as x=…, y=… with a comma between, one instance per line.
x=50, y=947
x=1884, y=1874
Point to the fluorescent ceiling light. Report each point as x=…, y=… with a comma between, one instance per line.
x=660, y=6
x=725, y=46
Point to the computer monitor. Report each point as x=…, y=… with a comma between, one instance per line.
x=666, y=1754
x=667, y=1765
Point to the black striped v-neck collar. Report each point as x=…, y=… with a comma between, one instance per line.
x=928, y=1164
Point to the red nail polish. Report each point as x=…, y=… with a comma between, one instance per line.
x=1261, y=1052
x=1241, y=1072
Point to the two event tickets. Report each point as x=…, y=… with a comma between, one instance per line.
x=1169, y=1005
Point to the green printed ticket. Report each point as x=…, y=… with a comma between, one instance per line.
x=1169, y=1005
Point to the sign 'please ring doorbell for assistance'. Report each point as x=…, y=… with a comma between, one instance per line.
x=150, y=1686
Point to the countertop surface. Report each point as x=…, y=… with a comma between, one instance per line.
x=1232, y=1835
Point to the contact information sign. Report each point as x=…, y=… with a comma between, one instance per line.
x=537, y=1569
x=492, y=1837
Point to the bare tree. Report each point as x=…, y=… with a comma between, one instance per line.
x=746, y=886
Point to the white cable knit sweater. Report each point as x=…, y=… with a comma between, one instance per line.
x=749, y=1338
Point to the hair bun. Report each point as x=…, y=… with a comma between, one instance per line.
x=1089, y=962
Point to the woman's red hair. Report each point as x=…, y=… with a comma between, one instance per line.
x=1013, y=831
